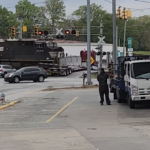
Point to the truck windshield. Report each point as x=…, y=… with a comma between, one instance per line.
x=140, y=70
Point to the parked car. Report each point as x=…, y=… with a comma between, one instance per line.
x=4, y=69
x=36, y=74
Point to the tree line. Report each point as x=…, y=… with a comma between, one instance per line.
x=53, y=14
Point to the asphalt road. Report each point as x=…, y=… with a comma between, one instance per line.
x=14, y=91
x=73, y=120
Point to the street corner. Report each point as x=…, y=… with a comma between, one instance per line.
x=9, y=104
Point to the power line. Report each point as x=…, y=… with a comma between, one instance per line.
x=133, y=9
x=142, y=1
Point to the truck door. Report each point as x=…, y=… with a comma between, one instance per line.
x=127, y=77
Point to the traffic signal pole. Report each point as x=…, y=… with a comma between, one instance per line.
x=88, y=45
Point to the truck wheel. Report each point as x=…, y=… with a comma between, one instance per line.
x=70, y=71
x=118, y=96
x=65, y=73
x=131, y=104
x=115, y=95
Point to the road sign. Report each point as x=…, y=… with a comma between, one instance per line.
x=24, y=28
x=130, y=54
x=101, y=40
x=92, y=60
x=119, y=53
x=129, y=39
x=59, y=31
x=130, y=49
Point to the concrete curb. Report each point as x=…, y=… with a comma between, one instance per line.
x=8, y=105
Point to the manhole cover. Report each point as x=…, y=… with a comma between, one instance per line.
x=92, y=128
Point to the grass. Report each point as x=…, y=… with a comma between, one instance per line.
x=142, y=52
x=94, y=76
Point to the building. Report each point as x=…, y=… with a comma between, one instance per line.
x=73, y=48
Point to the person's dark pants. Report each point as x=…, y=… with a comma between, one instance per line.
x=106, y=93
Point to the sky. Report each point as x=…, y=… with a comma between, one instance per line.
x=137, y=8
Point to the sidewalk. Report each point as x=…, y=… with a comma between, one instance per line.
x=106, y=127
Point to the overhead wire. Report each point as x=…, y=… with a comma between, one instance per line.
x=133, y=9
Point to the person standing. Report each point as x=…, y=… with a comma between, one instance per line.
x=103, y=86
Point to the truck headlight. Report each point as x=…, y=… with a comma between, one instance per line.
x=134, y=90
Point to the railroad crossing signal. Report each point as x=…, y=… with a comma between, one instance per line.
x=67, y=32
x=59, y=31
x=73, y=32
x=40, y=32
x=13, y=32
x=45, y=32
x=101, y=41
x=24, y=28
x=36, y=30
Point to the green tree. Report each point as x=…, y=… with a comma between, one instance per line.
x=97, y=14
x=55, y=11
x=29, y=14
x=7, y=20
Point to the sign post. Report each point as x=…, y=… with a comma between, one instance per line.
x=24, y=28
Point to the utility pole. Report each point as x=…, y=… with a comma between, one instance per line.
x=114, y=31
x=124, y=40
x=88, y=45
x=116, y=44
x=20, y=31
x=101, y=46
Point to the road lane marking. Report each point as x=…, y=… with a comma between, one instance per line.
x=9, y=104
x=61, y=110
x=22, y=123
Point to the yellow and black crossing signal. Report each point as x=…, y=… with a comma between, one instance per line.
x=13, y=32
x=119, y=13
x=124, y=14
x=36, y=30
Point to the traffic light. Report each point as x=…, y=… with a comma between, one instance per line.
x=40, y=32
x=36, y=30
x=13, y=32
x=129, y=14
x=124, y=14
x=77, y=33
x=119, y=14
x=67, y=32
